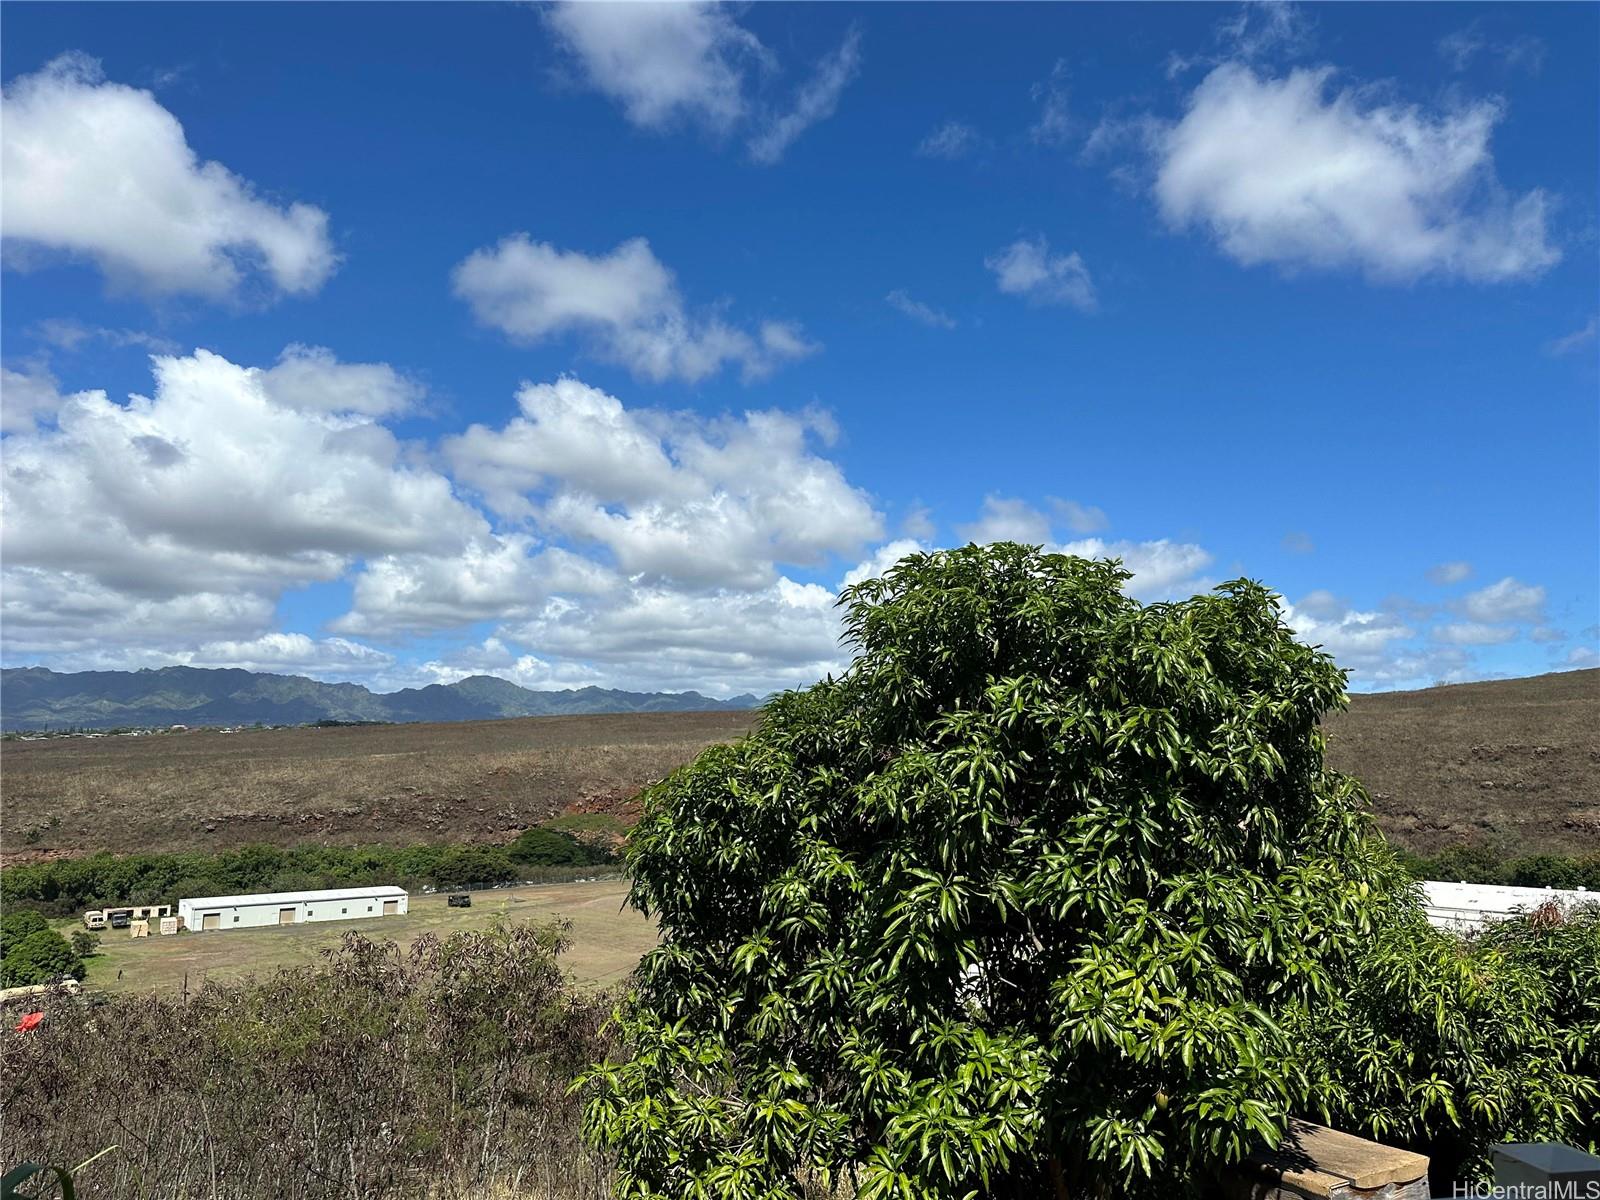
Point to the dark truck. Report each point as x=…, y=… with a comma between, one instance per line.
x=460, y=900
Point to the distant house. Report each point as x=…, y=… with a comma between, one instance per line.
x=205, y=913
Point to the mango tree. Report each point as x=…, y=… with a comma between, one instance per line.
x=1014, y=907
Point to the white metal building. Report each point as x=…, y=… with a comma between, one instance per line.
x=290, y=908
x=1464, y=907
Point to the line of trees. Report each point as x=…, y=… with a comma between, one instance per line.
x=69, y=885
x=1483, y=864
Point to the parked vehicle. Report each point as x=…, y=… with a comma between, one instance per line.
x=118, y=918
x=460, y=900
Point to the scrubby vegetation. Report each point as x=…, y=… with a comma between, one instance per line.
x=389, y=785
x=1509, y=763
x=1450, y=1045
x=1483, y=864
x=67, y=886
x=442, y=1073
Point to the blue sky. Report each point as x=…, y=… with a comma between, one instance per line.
x=600, y=344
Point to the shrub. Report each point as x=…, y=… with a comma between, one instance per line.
x=17, y=924
x=84, y=943
x=1453, y=1045
x=1483, y=864
x=1547, y=870
x=43, y=956
x=440, y=1072
x=1015, y=907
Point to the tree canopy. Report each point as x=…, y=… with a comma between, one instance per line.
x=1019, y=905
x=43, y=956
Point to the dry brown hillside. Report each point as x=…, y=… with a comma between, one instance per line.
x=1513, y=763
x=469, y=781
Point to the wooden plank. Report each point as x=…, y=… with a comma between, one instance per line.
x=1365, y=1164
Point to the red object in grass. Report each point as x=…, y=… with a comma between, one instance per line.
x=30, y=1021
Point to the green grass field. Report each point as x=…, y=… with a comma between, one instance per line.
x=607, y=938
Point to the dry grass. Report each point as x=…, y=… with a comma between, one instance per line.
x=395, y=784
x=441, y=1072
x=607, y=939
x=1513, y=764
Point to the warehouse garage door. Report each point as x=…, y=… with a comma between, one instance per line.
x=211, y=921
x=286, y=916
x=390, y=907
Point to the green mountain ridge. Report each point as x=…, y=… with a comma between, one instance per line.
x=42, y=699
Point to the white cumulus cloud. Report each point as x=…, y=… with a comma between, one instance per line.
x=312, y=379
x=1302, y=173
x=664, y=63
x=1162, y=569
x=100, y=170
x=27, y=397
x=668, y=496
x=1507, y=600
x=626, y=302
x=1007, y=519
x=187, y=514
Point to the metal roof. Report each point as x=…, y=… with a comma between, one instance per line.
x=1473, y=905
x=387, y=893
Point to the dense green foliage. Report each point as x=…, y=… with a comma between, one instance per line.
x=1483, y=864
x=1452, y=1045
x=1020, y=905
x=441, y=1072
x=31, y=952
x=67, y=886
x=17, y=924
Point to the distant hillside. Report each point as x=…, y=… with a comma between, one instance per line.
x=38, y=698
x=1513, y=764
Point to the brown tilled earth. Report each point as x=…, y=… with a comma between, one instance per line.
x=1514, y=764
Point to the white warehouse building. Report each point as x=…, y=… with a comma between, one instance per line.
x=290, y=908
x=1465, y=907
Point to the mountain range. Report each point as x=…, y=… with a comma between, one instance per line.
x=39, y=698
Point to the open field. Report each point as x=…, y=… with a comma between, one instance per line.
x=479, y=781
x=607, y=938
x=1511, y=763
